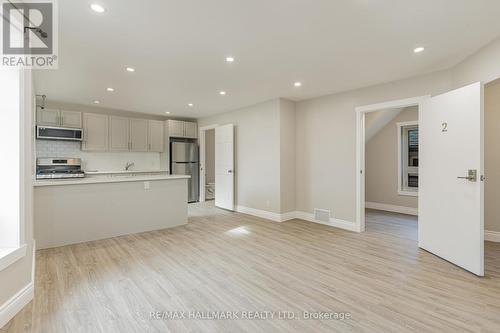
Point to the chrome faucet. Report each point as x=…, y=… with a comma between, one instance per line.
x=129, y=165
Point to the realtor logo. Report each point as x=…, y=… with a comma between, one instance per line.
x=29, y=34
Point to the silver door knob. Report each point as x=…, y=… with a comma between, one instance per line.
x=229, y=171
x=471, y=176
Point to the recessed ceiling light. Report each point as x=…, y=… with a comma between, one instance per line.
x=222, y=93
x=297, y=84
x=419, y=49
x=97, y=8
x=168, y=112
x=229, y=59
x=130, y=69
x=96, y=102
x=190, y=104
x=110, y=89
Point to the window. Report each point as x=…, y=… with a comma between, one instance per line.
x=408, y=158
x=15, y=178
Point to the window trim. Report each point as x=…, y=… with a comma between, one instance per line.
x=8, y=256
x=401, y=191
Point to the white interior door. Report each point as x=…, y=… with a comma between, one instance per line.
x=224, y=167
x=451, y=208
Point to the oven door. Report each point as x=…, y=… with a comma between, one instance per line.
x=59, y=133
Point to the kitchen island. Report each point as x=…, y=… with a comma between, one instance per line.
x=79, y=210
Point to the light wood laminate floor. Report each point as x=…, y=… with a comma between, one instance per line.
x=225, y=261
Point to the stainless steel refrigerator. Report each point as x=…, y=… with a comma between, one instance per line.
x=184, y=161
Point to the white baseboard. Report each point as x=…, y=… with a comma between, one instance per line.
x=17, y=302
x=260, y=213
x=392, y=208
x=492, y=236
x=337, y=223
x=296, y=215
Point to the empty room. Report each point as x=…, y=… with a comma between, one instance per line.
x=250, y=166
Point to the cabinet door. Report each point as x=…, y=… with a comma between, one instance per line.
x=190, y=130
x=95, y=132
x=138, y=135
x=119, y=134
x=48, y=117
x=155, y=135
x=72, y=119
x=176, y=128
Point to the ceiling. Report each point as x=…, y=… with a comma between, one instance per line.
x=178, y=49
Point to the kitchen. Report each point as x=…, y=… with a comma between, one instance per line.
x=103, y=173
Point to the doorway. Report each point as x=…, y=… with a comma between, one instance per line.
x=391, y=168
x=371, y=120
x=207, y=162
x=222, y=164
x=210, y=164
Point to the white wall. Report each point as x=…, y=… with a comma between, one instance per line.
x=287, y=156
x=257, y=154
x=381, y=162
x=264, y=154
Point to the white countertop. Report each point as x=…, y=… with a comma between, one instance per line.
x=113, y=172
x=99, y=180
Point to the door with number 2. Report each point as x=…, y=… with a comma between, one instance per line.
x=451, y=187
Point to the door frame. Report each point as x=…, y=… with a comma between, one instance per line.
x=361, y=112
x=201, y=142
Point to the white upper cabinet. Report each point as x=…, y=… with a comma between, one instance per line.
x=176, y=128
x=182, y=129
x=58, y=118
x=190, y=130
x=119, y=134
x=155, y=135
x=72, y=119
x=138, y=135
x=47, y=117
x=95, y=132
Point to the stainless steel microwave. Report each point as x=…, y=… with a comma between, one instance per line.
x=59, y=133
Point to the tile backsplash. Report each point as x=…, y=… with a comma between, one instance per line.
x=102, y=161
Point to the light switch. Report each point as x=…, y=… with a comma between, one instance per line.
x=146, y=185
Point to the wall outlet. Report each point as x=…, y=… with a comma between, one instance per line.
x=147, y=185
x=268, y=203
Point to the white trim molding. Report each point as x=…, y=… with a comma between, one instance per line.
x=337, y=223
x=276, y=217
x=17, y=302
x=492, y=236
x=392, y=208
x=11, y=255
x=360, y=148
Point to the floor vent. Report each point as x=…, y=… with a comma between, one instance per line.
x=322, y=215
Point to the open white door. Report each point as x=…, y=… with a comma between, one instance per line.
x=224, y=167
x=451, y=208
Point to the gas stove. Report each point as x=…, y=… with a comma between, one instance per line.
x=59, y=168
